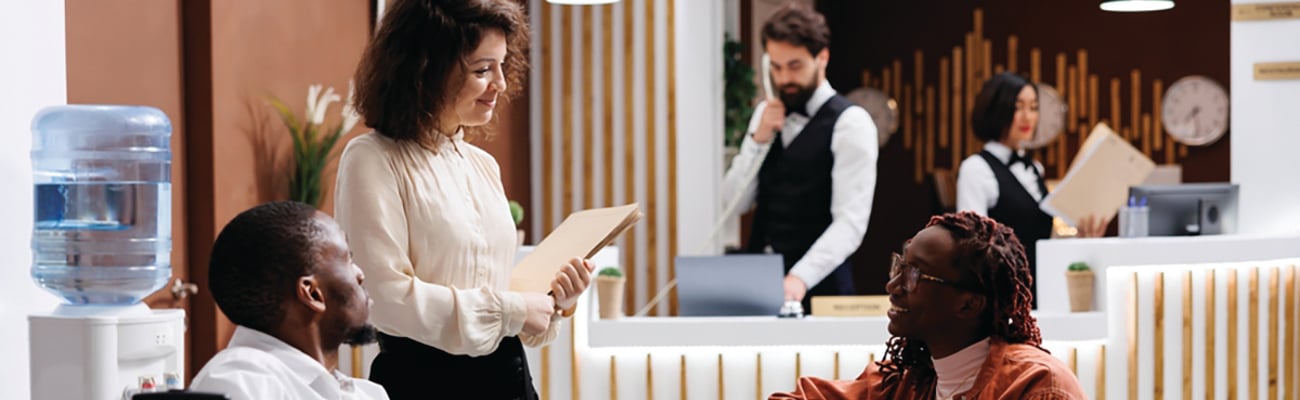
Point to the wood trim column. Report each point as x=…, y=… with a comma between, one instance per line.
x=196, y=54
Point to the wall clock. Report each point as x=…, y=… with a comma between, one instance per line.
x=882, y=109
x=1195, y=111
x=1051, y=117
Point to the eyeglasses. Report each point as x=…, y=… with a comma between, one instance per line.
x=911, y=275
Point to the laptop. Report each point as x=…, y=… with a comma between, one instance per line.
x=732, y=285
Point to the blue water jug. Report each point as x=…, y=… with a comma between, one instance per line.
x=102, y=233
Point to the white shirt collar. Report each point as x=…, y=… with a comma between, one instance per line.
x=976, y=351
x=307, y=370
x=1001, y=151
x=820, y=96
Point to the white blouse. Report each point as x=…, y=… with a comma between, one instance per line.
x=432, y=231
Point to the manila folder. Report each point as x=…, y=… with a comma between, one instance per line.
x=582, y=234
x=1099, y=177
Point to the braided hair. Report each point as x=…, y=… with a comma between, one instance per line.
x=991, y=253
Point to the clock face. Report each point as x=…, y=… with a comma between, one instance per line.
x=882, y=109
x=1195, y=111
x=1051, y=117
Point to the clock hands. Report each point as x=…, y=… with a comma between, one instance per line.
x=1195, y=122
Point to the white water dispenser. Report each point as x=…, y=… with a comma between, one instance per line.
x=101, y=241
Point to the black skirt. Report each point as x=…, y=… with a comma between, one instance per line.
x=410, y=370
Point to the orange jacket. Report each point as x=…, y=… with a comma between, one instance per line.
x=1012, y=371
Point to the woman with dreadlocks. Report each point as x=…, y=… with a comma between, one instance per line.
x=960, y=323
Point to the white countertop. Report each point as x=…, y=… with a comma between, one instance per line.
x=1056, y=323
x=1054, y=256
x=809, y=331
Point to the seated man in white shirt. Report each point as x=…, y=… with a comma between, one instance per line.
x=283, y=273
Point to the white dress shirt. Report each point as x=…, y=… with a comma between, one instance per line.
x=977, y=187
x=431, y=229
x=258, y=366
x=853, y=177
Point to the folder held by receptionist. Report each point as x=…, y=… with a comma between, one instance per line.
x=582, y=234
x=1099, y=177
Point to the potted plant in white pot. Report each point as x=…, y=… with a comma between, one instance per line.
x=609, y=289
x=1079, y=279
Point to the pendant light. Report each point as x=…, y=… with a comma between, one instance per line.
x=1136, y=5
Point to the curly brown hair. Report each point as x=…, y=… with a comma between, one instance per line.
x=993, y=257
x=407, y=76
x=799, y=25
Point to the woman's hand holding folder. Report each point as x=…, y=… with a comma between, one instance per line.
x=570, y=282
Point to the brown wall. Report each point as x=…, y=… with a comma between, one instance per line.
x=275, y=48
x=207, y=64
x=236, y=52
x=1190, y=39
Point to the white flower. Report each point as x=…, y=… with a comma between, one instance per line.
x=349, y=113
x=318, y=113
x=313, y=92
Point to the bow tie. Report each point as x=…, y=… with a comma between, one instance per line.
x=1027, y=159
x=794, y=111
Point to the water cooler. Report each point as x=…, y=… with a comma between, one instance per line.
x=101, y=241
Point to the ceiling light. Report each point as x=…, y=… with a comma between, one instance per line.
x=1136, y=5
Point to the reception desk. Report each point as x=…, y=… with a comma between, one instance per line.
x=750, y=357
x=746, y=357
x=1177, y=318
x=1190, y=316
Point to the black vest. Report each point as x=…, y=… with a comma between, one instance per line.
x=1017, y=209
x=794, y=187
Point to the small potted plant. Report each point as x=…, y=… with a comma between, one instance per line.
x=609, y=288
x=1079, y=279
x=517, y=212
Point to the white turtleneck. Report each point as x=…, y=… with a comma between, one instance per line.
x=956, y=373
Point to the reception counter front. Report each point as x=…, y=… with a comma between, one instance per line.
x=746, y=357
x=1176, y=318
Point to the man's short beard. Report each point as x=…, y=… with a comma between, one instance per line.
x=362, y=335
x=798, y=100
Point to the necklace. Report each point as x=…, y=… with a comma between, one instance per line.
x=954, y=390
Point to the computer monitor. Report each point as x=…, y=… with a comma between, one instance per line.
x=731, y=285
x=1189, y=209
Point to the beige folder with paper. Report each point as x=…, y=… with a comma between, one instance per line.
x=1099, y=177
x=582, y=234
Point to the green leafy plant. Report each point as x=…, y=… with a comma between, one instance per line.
x=610, y=272
x=516, y=212
x=738, y=93
x=313, y=142
x=1079, y=266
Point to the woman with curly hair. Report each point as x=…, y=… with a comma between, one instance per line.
x=426, y=212
x=960, y=323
